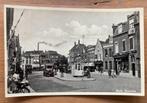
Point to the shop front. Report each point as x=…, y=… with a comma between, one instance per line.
x=121, y=63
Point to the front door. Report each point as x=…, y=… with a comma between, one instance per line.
x=133, y=69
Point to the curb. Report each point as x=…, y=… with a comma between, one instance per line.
x=76, y=80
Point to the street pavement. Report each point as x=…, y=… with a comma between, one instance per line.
x=103, y=83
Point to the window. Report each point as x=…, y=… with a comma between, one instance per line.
x=78, y=66
x=30, y=61
x=106, y=65
x=116, y=47
x=100, y=56
x=119, y=29
x=124, y=45
x=131, y=43
x=110, y=65
x=110, y=52
x=95, y=56
x=26, y=60
x=106, y=53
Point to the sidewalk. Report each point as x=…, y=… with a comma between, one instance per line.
x=127, y=75
x=69, y=77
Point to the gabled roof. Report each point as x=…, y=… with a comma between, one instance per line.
x=77, y=47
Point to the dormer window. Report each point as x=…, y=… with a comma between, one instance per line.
x=119, y=29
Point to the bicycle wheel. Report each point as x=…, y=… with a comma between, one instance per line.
x=25, y=90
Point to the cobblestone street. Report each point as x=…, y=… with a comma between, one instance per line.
x=102, y=83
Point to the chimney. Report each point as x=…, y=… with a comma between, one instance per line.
x=114, y=28
x=74, y=43
x=78, y=41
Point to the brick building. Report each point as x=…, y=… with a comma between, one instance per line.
x=77, y=57
x=108, y=61
x=126, y=43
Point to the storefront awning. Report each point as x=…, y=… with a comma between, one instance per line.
x=121, y=55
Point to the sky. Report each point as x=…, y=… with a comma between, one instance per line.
x=60, y=29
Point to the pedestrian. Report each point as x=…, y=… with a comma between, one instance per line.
x=61, y=71
x=101, y=70
x=113, y=73
x=88, y=73
x=109, y=73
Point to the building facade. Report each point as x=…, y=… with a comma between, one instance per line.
x=32, y=58
x=108, y=61
x=77, y=57
x=49, y=57
x=90, y=57
x=99, y=55
x=126, y=43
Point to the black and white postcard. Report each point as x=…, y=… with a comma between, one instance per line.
x=73, y=51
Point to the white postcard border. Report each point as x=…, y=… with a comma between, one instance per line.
x=141, y=10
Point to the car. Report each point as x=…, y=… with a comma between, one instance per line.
x=48, y=70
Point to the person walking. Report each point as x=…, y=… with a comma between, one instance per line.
x=109, y=73
x=88, y=73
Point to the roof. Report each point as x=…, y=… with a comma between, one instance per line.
x=90, y=46
x=33, y=52
x=124, y=28
x=76, y=47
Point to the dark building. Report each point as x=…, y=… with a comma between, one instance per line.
x=49, y=57
x=108, y=61
x=126, y=36
x=9, y=21
x=77, y=56
x=13, y=44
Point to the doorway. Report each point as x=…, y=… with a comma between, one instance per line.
x=133, y=69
